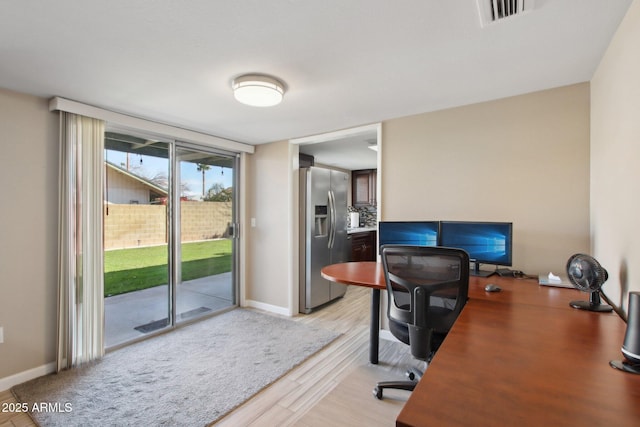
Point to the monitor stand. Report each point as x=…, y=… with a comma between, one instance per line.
x=475, y=271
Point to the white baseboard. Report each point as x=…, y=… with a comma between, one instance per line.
x=283, y=311
x=7, y=382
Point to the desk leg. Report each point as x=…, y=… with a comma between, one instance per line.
x=374, y=333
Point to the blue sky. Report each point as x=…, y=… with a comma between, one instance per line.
x=152, y=166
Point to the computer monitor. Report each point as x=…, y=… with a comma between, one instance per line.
x=414, y=233
x=485, y=242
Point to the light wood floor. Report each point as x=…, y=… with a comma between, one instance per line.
x=12, y=419
x=333, y=387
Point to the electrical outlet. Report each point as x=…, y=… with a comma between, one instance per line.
x=1, y=334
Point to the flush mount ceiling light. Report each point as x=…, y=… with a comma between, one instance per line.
x=258, y=90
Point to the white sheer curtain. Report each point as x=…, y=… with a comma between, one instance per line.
x=80, y=271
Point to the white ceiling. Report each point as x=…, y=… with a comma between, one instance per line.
x=345, y=63
x=350, y=152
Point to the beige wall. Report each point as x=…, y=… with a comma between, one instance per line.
x=270, y=251
x=615, y=160
x=28, y=232
x=523, y=159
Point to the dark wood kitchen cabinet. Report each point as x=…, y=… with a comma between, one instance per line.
x=363, y=246
x=363, y=187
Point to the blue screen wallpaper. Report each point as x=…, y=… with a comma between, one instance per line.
x=408, y=233
x=484, y=242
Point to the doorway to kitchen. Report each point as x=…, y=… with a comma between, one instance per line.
x=169, y=242
x=357, y=151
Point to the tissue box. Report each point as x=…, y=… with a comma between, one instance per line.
x=543, y=279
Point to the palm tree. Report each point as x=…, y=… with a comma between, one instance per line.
x=203, y=168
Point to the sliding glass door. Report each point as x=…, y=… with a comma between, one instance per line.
x=206, y=217
x=168, y=234
x=136, y=231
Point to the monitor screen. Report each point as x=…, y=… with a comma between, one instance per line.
x=414, y=233
x=485, y=242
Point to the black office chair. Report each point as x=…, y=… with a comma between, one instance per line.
x=427, y=288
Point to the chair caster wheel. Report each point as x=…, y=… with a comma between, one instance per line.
x=377, y=392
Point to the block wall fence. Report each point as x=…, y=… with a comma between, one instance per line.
x=131, y=226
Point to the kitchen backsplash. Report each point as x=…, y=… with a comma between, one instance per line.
x=368, y=216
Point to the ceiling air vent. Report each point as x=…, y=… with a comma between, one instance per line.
x=492, y=11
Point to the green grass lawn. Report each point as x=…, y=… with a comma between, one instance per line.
x=127, y=270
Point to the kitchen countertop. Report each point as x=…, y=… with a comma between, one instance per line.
x=361, y=230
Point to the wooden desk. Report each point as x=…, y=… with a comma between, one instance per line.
x=523, y=291
x=363, y=273
x=521, y=356
x=371, y=274
x=527, y=359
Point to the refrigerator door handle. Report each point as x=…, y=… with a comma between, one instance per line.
x=332, y=218
x=334, y=225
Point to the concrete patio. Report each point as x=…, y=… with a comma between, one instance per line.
x=149, y=307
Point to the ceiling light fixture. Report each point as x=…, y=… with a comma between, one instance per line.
x=258, y=90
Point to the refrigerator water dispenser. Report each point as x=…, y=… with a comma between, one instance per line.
x=321, y=221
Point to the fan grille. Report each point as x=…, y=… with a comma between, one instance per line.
x=586, y=273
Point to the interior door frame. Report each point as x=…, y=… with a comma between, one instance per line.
x=375, y=128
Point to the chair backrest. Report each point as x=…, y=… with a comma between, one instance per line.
x=427, y=288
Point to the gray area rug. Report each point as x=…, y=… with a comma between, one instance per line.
x=189, y=377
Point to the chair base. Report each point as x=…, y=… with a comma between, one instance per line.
x=398, y=385
x=414, y=376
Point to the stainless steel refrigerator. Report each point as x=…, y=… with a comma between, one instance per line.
x=323, y=233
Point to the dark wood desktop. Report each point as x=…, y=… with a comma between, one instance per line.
x=523, y=357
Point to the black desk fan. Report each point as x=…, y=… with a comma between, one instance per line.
x=587, y=275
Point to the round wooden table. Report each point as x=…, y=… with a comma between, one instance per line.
x=363, y=273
